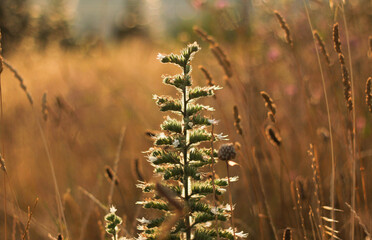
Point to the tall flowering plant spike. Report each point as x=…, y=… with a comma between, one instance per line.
x=182, y=164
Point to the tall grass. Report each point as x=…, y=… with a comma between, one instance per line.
x=286, y=189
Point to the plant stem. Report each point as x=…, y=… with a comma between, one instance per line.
x=186, y=177
x=213, y=183
x=354, y=122
x=230, y=198
x=333, y=162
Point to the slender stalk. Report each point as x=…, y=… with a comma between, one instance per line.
x=213, y=179
x=46, y=147
x=2, y=139
x=185, y=162
x=116, y=163
x=266, y=204
x=353, y=168
x=333, y=162
x=230, y=198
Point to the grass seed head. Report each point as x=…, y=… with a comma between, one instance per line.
x=322, y=47
x=287, y=235
x=285, y=27
x=369, y=93
x=273, y=136
x=336, y=38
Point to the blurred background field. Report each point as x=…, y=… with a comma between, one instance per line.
x=95, y=64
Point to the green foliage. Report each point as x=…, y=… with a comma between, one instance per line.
x=112, y=223
x=180, y=163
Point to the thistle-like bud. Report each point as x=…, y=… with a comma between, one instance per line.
x=227, y=152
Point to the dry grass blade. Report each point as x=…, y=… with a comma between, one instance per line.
x=370, y=46
x=213, y=175
x=93, y=198
x=359, y=220
x=353, y=117
x=116, y=163
x=20, y=79
x=30, y=212
x=331, y=208
x=46, y=147
x=285, y=27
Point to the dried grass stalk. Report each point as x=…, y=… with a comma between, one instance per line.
x=204, y=35
x=345, y=73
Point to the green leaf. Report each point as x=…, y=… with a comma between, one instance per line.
x=201, y=217
x=172, y=125
x=156, y=204
x=166, y=103
x=192, y=109
x=199, y=92
x=178, y=81
x=160, y=156
x=199, y=135
x=204, y=188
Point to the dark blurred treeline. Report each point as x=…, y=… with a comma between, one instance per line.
x=19, y=21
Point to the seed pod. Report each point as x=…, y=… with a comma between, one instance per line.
x=227, y=152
